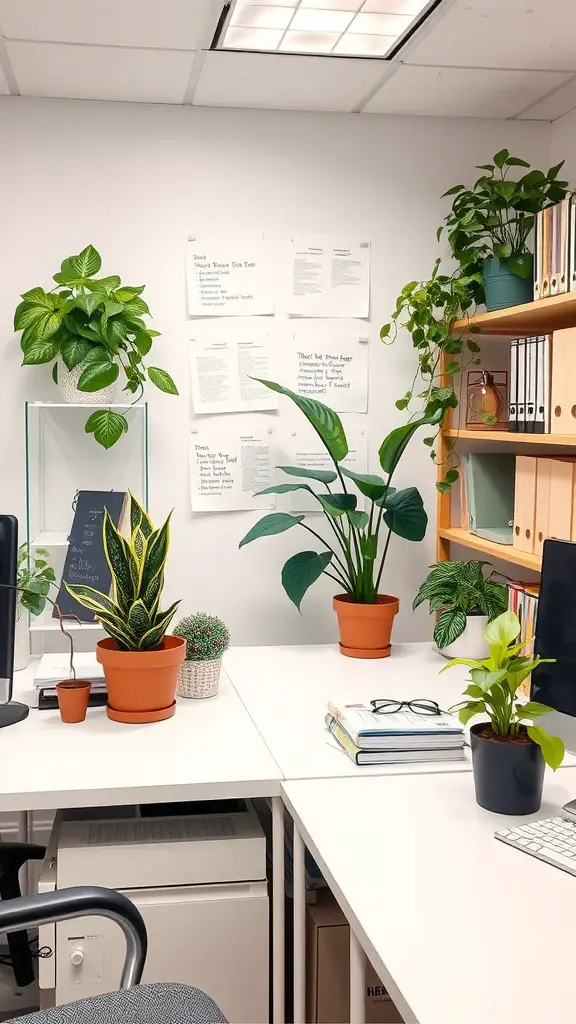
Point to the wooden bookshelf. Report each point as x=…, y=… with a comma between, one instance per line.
x=506, y=552
x=558, y=440
x=540, y=317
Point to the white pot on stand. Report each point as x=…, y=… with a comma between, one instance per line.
x=68, y=385
x=471, y=644
x=21, y=639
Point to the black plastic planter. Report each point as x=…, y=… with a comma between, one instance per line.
x=508, y=777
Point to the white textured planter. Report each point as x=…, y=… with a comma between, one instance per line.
x=199, y=679
x=471, y=644
x=21, y=640
x=67, y=383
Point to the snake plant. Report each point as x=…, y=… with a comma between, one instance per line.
x=132, y=616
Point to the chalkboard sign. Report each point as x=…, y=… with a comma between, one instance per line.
x=85, y=559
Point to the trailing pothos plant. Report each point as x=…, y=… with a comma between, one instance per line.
x=493, y=218
x=34, y=577
x=96, y=324
x=353, y=559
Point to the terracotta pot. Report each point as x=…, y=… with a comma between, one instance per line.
x=141, y=684
x=73, y=697
x=365, y=629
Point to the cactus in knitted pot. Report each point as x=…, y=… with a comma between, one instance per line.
x=206, y=639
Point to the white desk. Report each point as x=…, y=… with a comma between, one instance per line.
x=461, y=928
x=209, y=750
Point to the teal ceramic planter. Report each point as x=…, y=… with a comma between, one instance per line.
x=502, y=288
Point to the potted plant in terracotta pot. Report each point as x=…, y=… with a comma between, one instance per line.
x=207, y=638
x=508, y=753
x=467, y=601
x=353, y=559
x=140, y=660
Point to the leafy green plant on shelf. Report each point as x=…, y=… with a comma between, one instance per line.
x=492, y=218
x=34, y=577
x=132, y=616
x=96, y=324
x=353, y=560
x=495, y=682
x=457, y=590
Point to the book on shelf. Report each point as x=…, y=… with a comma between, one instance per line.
x=554, y=248
x=390, y=756
x=531, y=387
x=372, y=731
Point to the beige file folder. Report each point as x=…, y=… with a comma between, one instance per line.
x=563, y=391
x=561, y=498
x=524, y=503
x=541, y=518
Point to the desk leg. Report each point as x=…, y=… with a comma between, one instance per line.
x=299, y=899
x=23, y=832
x=357, y=981
x=277, y=910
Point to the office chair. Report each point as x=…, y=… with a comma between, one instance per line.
x=161, y=1003
x=12, y=857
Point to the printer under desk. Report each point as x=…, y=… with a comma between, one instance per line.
x=199, y=881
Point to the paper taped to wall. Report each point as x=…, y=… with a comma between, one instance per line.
x=330, y=276
x=328, y=360
x=225, y=355
x=229, y=275
x=228, y=464
x=303, y=449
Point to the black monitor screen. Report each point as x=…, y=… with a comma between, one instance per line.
x=555, y=684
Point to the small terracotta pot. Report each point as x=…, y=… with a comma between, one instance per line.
x=141, y=684
x=73, y=697
x=365, y=629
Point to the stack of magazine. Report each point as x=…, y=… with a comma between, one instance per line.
x=54, y=667
x=401, y=737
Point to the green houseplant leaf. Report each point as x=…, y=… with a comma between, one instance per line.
x=324, y=476
x=97, y=372
x=107, y=426
x=393, y=446
x=326, y=423
x=301, y=571
x=162, y=380
x=87, y=263
x=372, y=487
x=276, y=522
x=451, y=624
x=405, y=514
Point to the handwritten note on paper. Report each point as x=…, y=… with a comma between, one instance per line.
x=302, y=448
x=330, y=277
x=228, y=275
x=328, y=360
x=225, y=356
x=227, y=465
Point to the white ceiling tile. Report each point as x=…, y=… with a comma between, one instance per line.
x=309, y=42
x=4, y=90
x=540, y=34
x=461, y=92
x=99, y=72
x=261, y=16
x=284, y=82
x=169, y=24
x=411, y=7
x=560, y=102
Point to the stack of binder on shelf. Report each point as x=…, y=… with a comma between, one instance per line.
x=523, y=601
x=487, y=495
x=554, y=255
x=402, y=737
x=53, y=668
x=529, y=411
x=544, y=501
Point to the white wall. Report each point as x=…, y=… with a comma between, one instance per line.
x=135, y=181
x=563, y=144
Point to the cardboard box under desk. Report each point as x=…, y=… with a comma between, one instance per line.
x=328, y=970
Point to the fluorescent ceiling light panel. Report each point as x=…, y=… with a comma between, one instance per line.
x=356, y=28
x=247, y=15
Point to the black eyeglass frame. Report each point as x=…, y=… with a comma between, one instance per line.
x=420, y=706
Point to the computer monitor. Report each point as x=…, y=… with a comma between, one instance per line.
x=555, y=683
x=10, y=711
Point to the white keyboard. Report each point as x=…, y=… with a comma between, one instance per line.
x=552, y=840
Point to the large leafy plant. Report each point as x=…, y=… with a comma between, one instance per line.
x=34, y=577
x=353, y=559
x=494, y=685
x=132, y=615
x=97, y=324
x=458, y=589
x=495, y=217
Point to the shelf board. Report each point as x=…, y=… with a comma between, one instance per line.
x=50, y=539
x=43, y=625
x=560, y=440
x=86, y=405
x=507, y=552
x=540, y=317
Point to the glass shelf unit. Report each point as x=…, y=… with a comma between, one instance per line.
x=61, y=459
